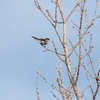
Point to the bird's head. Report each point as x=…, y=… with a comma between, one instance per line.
x=47, y=39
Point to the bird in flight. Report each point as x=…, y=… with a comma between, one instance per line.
x=42, y=41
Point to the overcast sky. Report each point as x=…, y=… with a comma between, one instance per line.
x=21, y=56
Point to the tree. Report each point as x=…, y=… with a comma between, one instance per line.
x=81, y=48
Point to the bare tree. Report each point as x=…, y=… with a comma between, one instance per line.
x=82, y=49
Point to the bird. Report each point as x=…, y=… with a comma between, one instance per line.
x=42, y=41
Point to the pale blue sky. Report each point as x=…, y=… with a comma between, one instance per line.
x=21, y=56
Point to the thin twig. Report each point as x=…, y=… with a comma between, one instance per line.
x=55, y=96
x=37, y=91
x=73, y=10
x=88, y=71
x=84, y=90
x=56, y=52
x=56, y=14
x=39, y=7
x=80, y=47
x=88, y=78
x=94, y=96
x=60, y=9
x=88, y=53
x=73, y=48
x=52, y=51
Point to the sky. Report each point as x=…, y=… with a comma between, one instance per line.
x=21, y=56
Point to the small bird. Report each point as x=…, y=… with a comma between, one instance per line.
x=42, y=41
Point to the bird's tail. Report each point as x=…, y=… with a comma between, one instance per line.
x=35, y=38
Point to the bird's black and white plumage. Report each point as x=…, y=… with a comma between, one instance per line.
x=42, y=41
